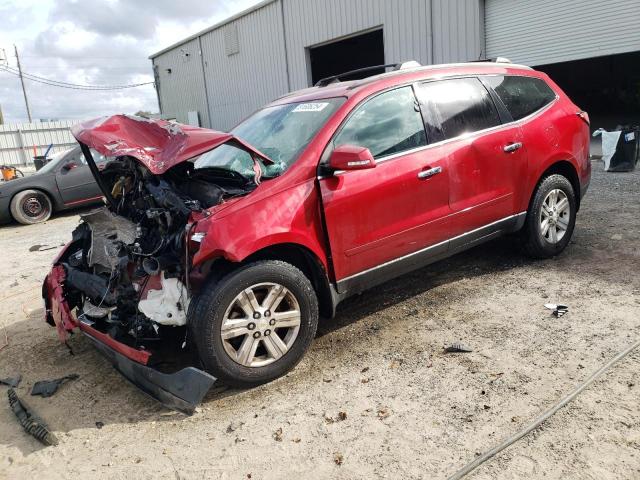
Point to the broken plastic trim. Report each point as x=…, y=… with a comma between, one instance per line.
x=31, y=423
x=181, y=391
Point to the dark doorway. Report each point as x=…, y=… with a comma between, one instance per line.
x=349, y=54
x=608, y=88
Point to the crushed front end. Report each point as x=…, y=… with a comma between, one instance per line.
x=124, y=279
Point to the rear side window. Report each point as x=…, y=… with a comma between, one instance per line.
x=521, y=95
x=457, y=106
x=388, y=123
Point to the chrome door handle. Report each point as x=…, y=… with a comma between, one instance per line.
x=430, y=173
x=512, y=147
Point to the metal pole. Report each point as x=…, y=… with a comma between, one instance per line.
x=26, y=101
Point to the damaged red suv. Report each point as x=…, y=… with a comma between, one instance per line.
x=226, y=248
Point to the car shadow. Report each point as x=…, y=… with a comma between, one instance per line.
x=101, y=396
x=498, y=255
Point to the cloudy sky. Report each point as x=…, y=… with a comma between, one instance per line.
x=94, y=42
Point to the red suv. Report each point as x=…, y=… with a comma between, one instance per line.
x=231, y=245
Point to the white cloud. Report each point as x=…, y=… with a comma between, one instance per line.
x=100, y=42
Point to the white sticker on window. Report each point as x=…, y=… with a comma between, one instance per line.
x=310, y=107
x=629, y=137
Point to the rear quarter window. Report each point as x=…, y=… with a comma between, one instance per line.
x=521, y=95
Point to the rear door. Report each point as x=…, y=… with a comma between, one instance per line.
x=378, y=215
x=484, y=150
x=74, y=179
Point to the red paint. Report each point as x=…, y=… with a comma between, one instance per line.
x=378, y=214
x=158, y=144
x=56, y=307
x=358, y=219
x=84, y=200
x=140, y=356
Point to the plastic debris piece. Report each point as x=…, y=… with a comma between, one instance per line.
x=558, y=309
x=560, y=312
x=556, y=306
x=11, y=381
x=31, y=423
x=457, y=348
x=47, y=388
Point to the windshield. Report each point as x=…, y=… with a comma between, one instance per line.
x=280, y=132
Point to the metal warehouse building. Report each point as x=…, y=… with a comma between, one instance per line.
x=218, y=76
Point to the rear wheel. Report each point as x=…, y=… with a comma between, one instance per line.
x=31, y=206
x=551, y=218
x=256, y=323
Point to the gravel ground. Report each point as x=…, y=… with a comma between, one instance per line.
x=375, y=397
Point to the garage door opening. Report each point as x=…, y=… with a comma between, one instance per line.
x=608, y=87
x=359, y=51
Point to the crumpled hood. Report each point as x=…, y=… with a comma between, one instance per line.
x=157, y=144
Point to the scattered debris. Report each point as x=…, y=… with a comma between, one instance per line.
x=457, y=348
x=99, y=425
x=277, y=435
x=383, y=413
x=47, y=388
x=32, y=424
x=233, y=426
x=558, y=309
x=11, y=381
x=326, y=380
x=342, y=416
x=40, y=248
x=328, y=419
x=296, y=440
x=365, y=380
x=338, y=458
x=364, y=370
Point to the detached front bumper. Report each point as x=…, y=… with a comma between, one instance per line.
x=181, y=391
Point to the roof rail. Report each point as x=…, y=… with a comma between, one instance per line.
x=323, y=82
x=493, y=60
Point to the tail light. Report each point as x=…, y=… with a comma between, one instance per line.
x=584, y=116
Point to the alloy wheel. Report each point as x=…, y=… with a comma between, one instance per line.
x=261, y=324
x=554, y=216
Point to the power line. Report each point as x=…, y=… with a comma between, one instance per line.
x=73, y=86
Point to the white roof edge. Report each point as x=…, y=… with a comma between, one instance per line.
x=215, y=26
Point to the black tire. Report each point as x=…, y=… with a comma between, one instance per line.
x=31, y=206
x=207, y=315
x=534, y=243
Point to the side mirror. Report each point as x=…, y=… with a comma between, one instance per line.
x=70, y=166
x=351, y=157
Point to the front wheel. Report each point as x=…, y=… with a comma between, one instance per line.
x=256, y=323
x=551, y=217
x=31, y=206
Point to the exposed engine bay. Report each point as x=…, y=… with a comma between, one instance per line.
x=127, y=268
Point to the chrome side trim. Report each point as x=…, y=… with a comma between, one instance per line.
x=433, y=252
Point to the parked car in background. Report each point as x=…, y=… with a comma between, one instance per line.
x=236, y=243
x=63, y=183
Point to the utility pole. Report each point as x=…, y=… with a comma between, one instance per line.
x=26, y=101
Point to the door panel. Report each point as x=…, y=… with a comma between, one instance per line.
x=77, y=184
x=380, y=214
x=401, y=206
x=482, y=175
x=484, y=178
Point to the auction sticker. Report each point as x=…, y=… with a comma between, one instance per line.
x=310, y=107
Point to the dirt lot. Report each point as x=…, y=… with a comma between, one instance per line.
x=411, y=411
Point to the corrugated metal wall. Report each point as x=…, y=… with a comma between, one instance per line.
x=406, y=27
x=273, y=44
x=239, y=83
x=18, y=140
x=179, y=75
x=549, y=31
